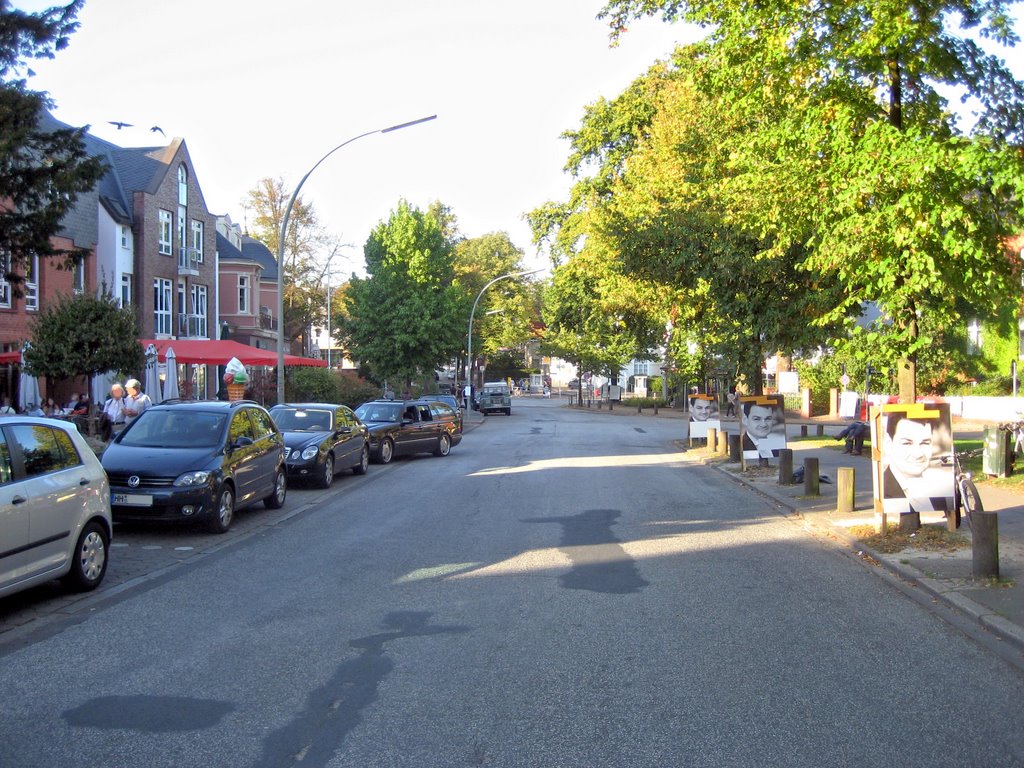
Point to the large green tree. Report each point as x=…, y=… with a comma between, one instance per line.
x=405, y=318
x=852, y=151
x=41, y=172
x=84, y=335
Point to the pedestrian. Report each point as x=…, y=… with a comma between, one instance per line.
x=112, y=418
x=6, y=409
x=137, y=402
x=730, y=404
x=854, y=435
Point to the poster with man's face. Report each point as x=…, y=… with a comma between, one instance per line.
x=912, y=469
x=763, y=426
x=703, y=415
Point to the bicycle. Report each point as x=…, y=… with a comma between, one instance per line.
x=1015, y=428
x=966, y=499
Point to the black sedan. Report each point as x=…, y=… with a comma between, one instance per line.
x=400, y=427
x=321, y=439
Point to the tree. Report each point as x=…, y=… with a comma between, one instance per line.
x=405, y=318
x=84, y=335
x=861, y=160
x=41, y=172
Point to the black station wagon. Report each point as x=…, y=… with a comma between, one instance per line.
x=403, y=427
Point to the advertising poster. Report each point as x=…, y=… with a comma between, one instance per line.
x=911, y=458
x=763, y=426
x=703, y=414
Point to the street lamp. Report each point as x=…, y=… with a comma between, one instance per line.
x=469, y=336
x=284, y=232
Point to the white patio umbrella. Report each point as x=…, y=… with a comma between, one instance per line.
x=152, y=378
x=28, y=386
x=171, y=382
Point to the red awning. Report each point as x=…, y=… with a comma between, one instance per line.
x=11, y=358
x=219, y=351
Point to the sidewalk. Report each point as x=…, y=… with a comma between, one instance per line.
x=997, y=606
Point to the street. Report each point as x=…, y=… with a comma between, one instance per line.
x=561, y=590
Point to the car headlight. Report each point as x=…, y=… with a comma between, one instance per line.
x=310, y=452
x=193, y=478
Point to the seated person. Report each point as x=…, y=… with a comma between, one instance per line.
x=854, y=435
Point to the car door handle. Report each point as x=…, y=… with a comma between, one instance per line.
x=18, y=500
x=84, y=481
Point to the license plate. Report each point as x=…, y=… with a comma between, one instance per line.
x=131, y=499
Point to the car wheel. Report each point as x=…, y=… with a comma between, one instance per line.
x=224, y=512
x=444, y=445
x=364, y=461
x=89, y=560
x=386, y=450
x=276, y=499
x=327, y=476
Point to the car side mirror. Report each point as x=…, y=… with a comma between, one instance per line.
x=241, y=442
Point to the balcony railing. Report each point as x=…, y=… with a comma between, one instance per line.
x=191, y=326
x=188, y=261
x=268, y=322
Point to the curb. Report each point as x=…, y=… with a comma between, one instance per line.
x=980, y=614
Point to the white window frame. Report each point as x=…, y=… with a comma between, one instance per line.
x=182, y=186
x=244, y=294
x=162, y=311
x=200, y=306
x=126, y=289
x=124, y=236
x=32, y=286
x=78, y=277
x=5, y=286
x=166, y=237
x=197, y=239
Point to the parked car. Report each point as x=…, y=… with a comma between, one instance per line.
x=403, y=427
x=495, y=397
x=54, y=506
x=322, y=439
x=451, y=400
x=201, y=460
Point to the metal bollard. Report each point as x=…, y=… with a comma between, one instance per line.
x=734, y=447
x=803, y=430
x=846, y=490
x=655, y=409
x=639, y=408
x=985, y=544
x=786, y=466
x=811, y=484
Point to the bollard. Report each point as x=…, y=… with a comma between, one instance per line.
x=786, y=466
x=734, y=447
x=985, y=544
x=820, y=430
x=655, y=409
x=723, y=444
x=712, y=438
x=639, y=408
x=803, y=430
x=846, y=490
x=609, y=403
x=811, y=486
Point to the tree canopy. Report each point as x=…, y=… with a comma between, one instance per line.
x=405, y=318
x=41, y=172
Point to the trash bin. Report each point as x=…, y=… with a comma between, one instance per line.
x=997, y=457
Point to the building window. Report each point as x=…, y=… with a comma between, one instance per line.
x=32, y=285
x=78, y=276
x=182, y=240
x=166, y=246
x=182, y=186
x=197, y=239
x=199, y=309
x=974, y=336
x=162, y=306
x=641, y=368
x=126, y=289
x=124, y=236
x=5, y=285
x=182, y=307
x=243, y=294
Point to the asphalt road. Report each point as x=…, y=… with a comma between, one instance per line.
x=562, y=590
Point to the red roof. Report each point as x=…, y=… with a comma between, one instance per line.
x=220, y=351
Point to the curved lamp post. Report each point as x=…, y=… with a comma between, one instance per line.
x=284, y=232
x=469, y=336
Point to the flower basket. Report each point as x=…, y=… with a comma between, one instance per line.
x=236, y=391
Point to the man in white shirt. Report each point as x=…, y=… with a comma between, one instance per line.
x=137, y=401
x=113, y=409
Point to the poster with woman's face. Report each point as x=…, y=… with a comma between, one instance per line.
x=763, y=426
x=703, y=415
x=913, y=471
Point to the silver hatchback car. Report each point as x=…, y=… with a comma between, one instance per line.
x=54, y=506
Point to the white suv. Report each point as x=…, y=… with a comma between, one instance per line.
x=54, y=506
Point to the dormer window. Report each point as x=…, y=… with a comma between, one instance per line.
x=182, y=185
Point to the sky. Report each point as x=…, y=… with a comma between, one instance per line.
x=265, y=89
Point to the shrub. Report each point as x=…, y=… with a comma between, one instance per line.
x=315, y=385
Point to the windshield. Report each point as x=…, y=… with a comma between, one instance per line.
x=380, y=412
x=175, y=428
x=301, y=419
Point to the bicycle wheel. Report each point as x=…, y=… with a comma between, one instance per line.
x=968, y=499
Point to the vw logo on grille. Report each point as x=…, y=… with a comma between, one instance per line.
x=133, y=481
